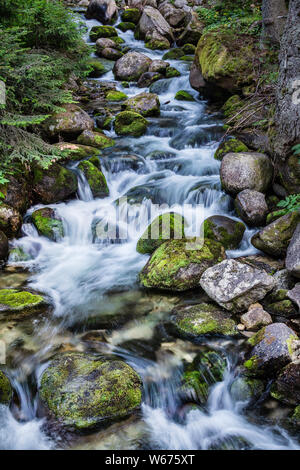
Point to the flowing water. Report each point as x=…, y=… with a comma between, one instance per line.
x=90, y=283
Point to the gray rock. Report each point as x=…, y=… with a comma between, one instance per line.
x=193, y=31
x=196, y=78
x=256, y=318
x=104, y=43
x=131, y=66
x=249, y=170
x=287, y=386
x=272, y=350
x=158, y=66
x=104, y=11
x=153, y=22
x=251, y=207
x=146, y=104
x=174, y=16
x=10, y=220
x=292, y=261
x=148, y=78
x=294, y=295
x=234, y=285
x=283, y=280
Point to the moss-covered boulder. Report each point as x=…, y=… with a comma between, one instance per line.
x=82, y=390
x=206, y=370
x=47, y=223
x=102, y=32
x=131, y=14
x=131, y=66
x=286, y=388
x=202, y=319
x=246, y=389
x=95, y=178
x=173, y=54
x=95, y=139
x=97, y=69
x=272, y=350
x=230, y=146
x=225, y=230
x=10, y=220
x=105, y=11
x=177, y=265
x=171, y=72
x=126, y=26
x=53, y=185
x=115, y=95
x=225, y=59
x=164, y=227
x=6, y=391
x=130, y=123
x=146, y=104
x=76, y=151
x=17, y=304
x=183, y=95
x=275, y=237
x=69, y=123
x=148, y=78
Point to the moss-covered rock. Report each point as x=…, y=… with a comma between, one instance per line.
x=47, y=223
x=54, y=184
x=10, y=220
x=286, y=388
x=84, y=390
x=171, y=72
x=289, y=175
x=115, y=95
x=95, y=139
x=95, y=178
x=131, y=14
x=227, y=231
x=3, y=246
x=146, y=104
x=183, y=95
x=189, y=49
x=6, y=391
x=247, y=389
x=76, y=151
x=16, y=304
x=230, y=146
x=177, y=265
x=130, y=123
x=126, y=25
x=18, y=255
x=97, y=69
x=175, y=53
x=68, y=123
x=203, y=319
x=102, y=32
x=164, y=227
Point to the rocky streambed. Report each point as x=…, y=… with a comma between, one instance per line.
x=123, y=340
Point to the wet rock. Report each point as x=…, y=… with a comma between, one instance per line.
x=272, y=350
x=17, y=305
x=131, y=66
x=241, y=171
x=84, y=390
x=292, y=261
x=183, y=95
x=146, y=104
x=95, y=179
x=274, y=239
x=235, y=286
x=126, y=26
x=246, y=389
x=110, y=53
x=177, y=265
x=286, y=388
x=3, y=247
x=47, y=223
x=77, y=151
x=251, y=207
x=97, y=69
x=95, y=139
x=6, y=391
x=256, y=318
x=68, y=123
x=54, y=185
x=192, y=32
x=294, y=295
x=173, y=54
x=230, y=146
x=10, y=220
x=225, y=230
x=171, y=72
x=202, y=319
x=131, y=15
x=196, y=79
x=164, y=227
x=158, y=66
x=152, y=22
x=102, y=32
x=148, y=78
x=115, y=95
x=105, y=43
x=130, y=123
x=155, y=41
x=105, y=11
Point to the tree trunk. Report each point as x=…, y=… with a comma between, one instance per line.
x=287, y=116
x=274, y=14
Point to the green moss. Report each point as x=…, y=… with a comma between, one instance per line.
x=130, y=123
x=187, y=58
x=230, y=146
x=232, y=106
x=174, y=54
x=76, y=151
x=156, y=44
x=251, y=364
x=246, y=389
x=102, y=32
x=95, y=139
x=115, y=95
x=95, y=178
x=18, y=255
x=6, y=391
x=131, y=15
x=229, y=238
x=47, y=226
x=117, y=40
x=172, y=72
x=257, y=338
x=189, y=49
x=125, y=26
x=164, y=227
x=19, y=300
x=97, y=68
x=283, y=308
x=183, y=95
x=296, y=414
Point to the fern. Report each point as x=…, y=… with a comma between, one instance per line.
x=290, y=203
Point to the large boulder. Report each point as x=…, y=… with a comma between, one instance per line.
x=131, y=66
x=10, y=220
x=193, y=31
x=148, y=78
x=130, y=123
x=286, y=388
x=103, y=32
x=292, y=261
x=17, y=305
x=272, y=350
x=146, y=104
x=225, y=230
x=251, y=207
x=95, y=178
x=105, y=11
x=76, y=151
x=235, y=286
x=69, y=123
x=54, y=185
x=17, y=191
x=274, y=239
x=95, y=139
x=48, y=223
x=6, y=391
x=202, y=319
x=152, y=22
x=84, y=390
x=247, y=170
x=176, y=17
x=230, y=146
x=177, y=265
x=131, y=15
x=164, y=227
